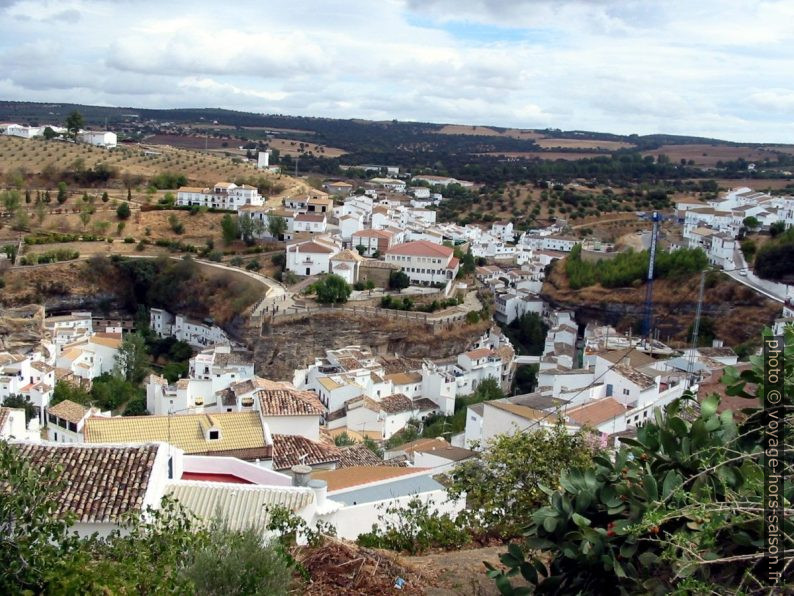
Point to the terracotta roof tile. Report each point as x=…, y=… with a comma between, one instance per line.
x=597, y=412
x=288, y=402
x=101, y=483
x=288, y=451
x=69, y=411
x=421, y=248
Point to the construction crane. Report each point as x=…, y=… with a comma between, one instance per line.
x=690, y=367
x=648, y=319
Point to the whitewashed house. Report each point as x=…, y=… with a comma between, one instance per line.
x=223, y=195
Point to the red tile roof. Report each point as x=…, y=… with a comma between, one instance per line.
x=288, y=451
x=101, y=483
x=311, y=247
x=597, y=412
x=421, y=248
x=288, y=402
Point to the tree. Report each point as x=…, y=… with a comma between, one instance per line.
x=10, y=200
x=21, y=402
x=238, y=563
x=246, y=225
x=177, y=227
x=679, y=509
x=361, y=249
x=751, y=223
x=62, y=194
x=502, y=488
x=132, y=361
x=276, y=226
x=332, y=289
x=123, y=211
x=74, y=122
x=343, y=440
x=85, y=214
x=398, y=280
x=229, y=229
x=49, y=133
x=105, y=197
x=528, y=333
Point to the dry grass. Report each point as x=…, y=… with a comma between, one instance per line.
x=292, y=146
x=582, y=144
x=485, y=131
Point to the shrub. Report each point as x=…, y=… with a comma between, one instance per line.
x=215, y=256
x=123, y=211
x=332, y=289
x=129, y=240
x=414, y=529
x=253, y=265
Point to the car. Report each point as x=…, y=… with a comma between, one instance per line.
x=743, y=272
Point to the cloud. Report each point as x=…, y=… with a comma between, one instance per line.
x=708, y=68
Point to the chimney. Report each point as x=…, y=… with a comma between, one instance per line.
x=320, y=488
x=301, y=475
x=716, y=343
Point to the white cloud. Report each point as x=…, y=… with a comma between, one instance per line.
x=708, y=68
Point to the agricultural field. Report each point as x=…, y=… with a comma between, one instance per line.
x=708, y=155
x=485, y=131
x=292, y=147
x=548, y=155
x=31, y=157
x=549, y=143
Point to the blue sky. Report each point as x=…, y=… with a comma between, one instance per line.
x=718, y=68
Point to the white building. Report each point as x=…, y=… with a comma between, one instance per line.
x=224, y=195
x=196, y=333
x=424, y=262
x=310, y=257
x=99, y=138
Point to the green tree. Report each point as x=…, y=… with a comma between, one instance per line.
x=343, y=440
x=10, y=200
x=230, y=228
x=361, y=249
x=679, y=509
x=751, y=222
x=62, y=193
x=132, y=360
x=276, y=226
x=123, y=211
x=238, y=563
x=398, y=280
x=502, y=487
x=23, y=403
x=74, y=122
x=105, y=197
x=49, y=133
x=177, y=227
x=332, y=289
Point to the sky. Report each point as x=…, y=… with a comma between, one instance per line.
x=716, y=68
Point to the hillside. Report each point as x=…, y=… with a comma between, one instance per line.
x=362, y=139
x=736, y=311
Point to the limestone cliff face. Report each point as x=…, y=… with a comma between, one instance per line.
x=296, y=343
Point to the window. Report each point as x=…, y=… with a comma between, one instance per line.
x=214, y=435
x=626, y=392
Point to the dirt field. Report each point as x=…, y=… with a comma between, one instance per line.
x=459, y=572
x=485, y=131
x=582, y=144
x=290, y=147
